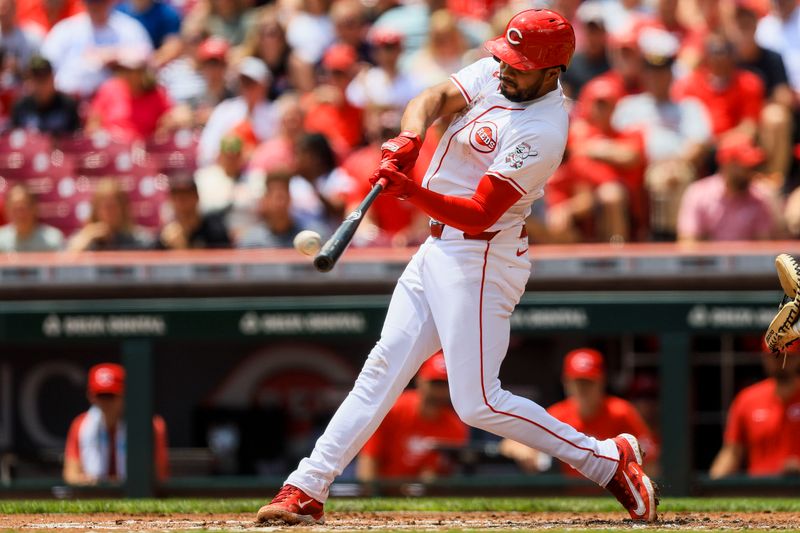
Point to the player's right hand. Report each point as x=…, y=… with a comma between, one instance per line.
x=398, y=184
x=402, y=151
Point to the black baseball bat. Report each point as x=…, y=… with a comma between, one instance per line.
x=333, y=249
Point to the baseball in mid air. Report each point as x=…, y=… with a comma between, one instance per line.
x=307, y=242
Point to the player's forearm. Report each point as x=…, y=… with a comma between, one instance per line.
x=73, y=473
x=727, y=461
x=422, y=110
x=432, y=103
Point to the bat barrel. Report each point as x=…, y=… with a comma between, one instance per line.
x=324, y=262
x=335, y=246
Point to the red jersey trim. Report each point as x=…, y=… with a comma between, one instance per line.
x=506, y=178
x=483, y=386
x=459, y=130
x=461, y=88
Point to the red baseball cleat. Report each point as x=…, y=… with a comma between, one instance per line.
x=630, y=485
x=292, y=506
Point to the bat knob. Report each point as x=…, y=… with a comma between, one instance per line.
x=323, y=263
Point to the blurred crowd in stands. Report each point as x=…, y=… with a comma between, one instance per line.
x=177, y=124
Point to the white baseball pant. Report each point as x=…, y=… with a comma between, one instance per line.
x=457, y=295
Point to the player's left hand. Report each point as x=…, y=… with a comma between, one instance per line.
x=402, y=151
x=398, y=184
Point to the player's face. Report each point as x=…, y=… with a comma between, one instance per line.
x=112, y=405
x=434, y=393
x=523, y=85
x=588, y=393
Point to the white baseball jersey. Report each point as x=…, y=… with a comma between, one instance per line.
x=457, y=294
x=519, y=142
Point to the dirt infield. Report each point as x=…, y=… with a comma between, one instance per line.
x=411, y=521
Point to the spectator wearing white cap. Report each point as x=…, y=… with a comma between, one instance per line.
x=81, y=47
x=677, y=134
x=250, y=105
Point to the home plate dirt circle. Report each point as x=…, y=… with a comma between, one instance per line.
x=425, y=521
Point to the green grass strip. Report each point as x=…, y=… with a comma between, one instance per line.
x=527, y=505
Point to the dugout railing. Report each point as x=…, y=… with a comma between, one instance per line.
x=137, y=325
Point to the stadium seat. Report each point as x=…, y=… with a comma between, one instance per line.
x=173, y=151
x=22, y=140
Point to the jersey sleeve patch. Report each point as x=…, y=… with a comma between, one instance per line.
x=517, y=156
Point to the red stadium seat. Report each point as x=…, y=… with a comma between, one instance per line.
x=64, y=199
x=22, y=140
x=100, y=154
x=173, y=151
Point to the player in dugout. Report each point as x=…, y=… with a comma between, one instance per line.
x=404, y=445
x=506, y=138
x=96, y=442
x=587, y=408
x=761, y=434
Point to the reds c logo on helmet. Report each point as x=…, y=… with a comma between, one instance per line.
x=535, y=39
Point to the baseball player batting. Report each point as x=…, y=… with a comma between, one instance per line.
x=458, y=291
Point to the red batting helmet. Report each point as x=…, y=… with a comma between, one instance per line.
x=535, y=39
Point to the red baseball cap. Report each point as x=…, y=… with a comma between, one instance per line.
x=739, y=148
x=213, y=48
x=584, y=363
x=535, y=39
x=601, y=89
x=434, y=368
x=339, y=57
x=106, y=378
x=384, y=36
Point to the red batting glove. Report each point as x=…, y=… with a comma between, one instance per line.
x=398, y=184
x=402, y=150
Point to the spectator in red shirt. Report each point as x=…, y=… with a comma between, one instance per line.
x=404, y=445
x=734, y=97
x=96, y=444
x=763, y=430
x=588, y=409
x=626, y=62
x=130, y=105
x=327, y=110
x=600, y=184
x=728, y=206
